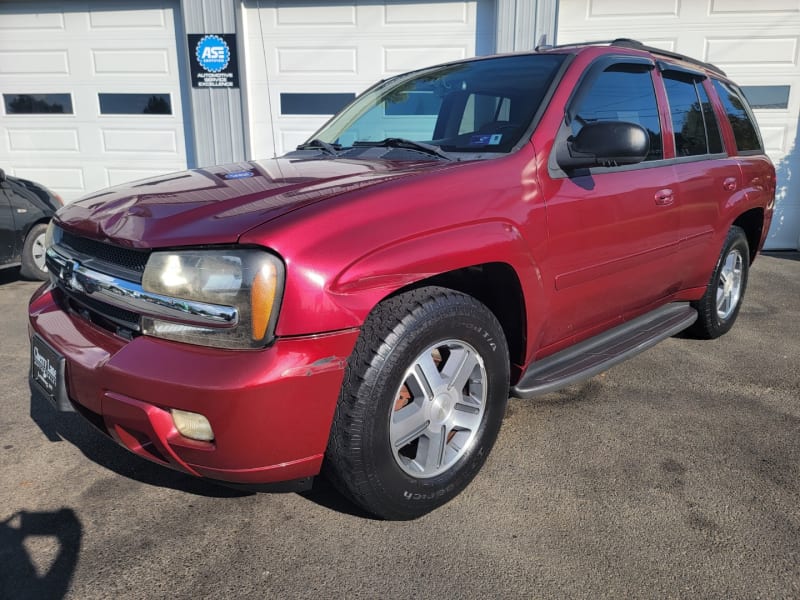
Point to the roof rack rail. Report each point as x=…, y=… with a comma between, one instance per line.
x=637, y=45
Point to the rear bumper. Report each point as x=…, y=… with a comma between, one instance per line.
x=271, y=410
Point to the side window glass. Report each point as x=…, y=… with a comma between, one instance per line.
x=687, y=117
x=744, y=131
x=623, y=93
x=710, y=118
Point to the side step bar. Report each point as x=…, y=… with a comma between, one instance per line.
x=595, y=355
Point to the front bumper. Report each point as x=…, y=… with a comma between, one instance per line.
x=271, y=410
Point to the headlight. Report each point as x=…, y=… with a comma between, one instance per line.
x=52, y=234
x=248, y=280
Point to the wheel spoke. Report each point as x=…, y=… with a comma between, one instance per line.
x=431, y=453
x=721, y=297
x=428, y=375
x=408, y=424
x=465, y=417
x=459, y=368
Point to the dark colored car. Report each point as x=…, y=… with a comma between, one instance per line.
x=25, y=210
x=363, y=306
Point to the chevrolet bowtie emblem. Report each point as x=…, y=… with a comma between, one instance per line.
x=67, y=275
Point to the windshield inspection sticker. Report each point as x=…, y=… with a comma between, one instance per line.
x=485, y=139
x=238, y=175
x=480, y=139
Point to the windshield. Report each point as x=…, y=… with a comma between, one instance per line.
x=480, y=106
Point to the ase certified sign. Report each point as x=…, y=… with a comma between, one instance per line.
x=213, y=60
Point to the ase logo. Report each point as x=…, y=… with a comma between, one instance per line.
x=212, y=53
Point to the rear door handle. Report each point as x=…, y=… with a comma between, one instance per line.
x=664, y=197
x=729, y=184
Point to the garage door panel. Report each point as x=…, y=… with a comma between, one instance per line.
x=101, y=47
x=38, y=139
x=115, y=19
x=425, y=14
x=33, y=63
x=744, y=7
x=128, y=61
x=123, y=174
x=315, y=60
x=401, y=59
x=17, y=16
x=293, y=14
x=757, y=51
x=64, y=179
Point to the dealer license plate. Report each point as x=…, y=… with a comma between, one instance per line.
x=47, y=373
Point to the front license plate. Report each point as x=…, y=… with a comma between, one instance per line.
x=47, y=374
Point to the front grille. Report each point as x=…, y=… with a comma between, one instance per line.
x=117, y=315
x=120, y=322
x=122, y=258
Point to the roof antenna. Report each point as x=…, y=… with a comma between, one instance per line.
x=269, y=91
x=542, y=45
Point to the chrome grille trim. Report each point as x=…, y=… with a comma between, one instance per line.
x=79, y=280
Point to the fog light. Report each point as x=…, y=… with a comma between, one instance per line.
x=192, y=425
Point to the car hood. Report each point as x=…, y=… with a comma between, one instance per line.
x=217, y=205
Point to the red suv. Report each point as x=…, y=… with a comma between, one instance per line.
x=364, y=305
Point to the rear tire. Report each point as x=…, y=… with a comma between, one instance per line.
x=718, y=308
x=424, y=395
x=33, y=253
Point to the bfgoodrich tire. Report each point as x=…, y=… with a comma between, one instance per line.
x=33, y=250
x=718, y=308
x=424, y=395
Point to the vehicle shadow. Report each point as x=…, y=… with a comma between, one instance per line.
x=784, y=255
x=19, y=576
x=10, y=275
x=325, y=495
x=70, y=427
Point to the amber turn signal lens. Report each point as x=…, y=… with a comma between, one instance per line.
x=262, y=297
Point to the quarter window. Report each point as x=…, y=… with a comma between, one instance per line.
x=623, y=93
x=744, y=130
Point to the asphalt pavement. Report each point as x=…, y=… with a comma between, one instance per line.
x=675, y=474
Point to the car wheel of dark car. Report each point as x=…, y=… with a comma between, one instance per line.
x=33, y=253
x=423, y=398
x=718, y=308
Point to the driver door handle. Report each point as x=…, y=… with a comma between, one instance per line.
x=664, y=197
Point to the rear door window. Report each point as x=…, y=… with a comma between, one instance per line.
x=739, y=116
x=693, y=122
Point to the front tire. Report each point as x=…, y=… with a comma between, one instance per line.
x=718, y=308
x=424, y=395
x=33, y=253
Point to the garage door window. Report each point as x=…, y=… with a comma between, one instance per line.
x=37, y=104
x=135, y=104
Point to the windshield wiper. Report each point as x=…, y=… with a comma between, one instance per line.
x=316, y=143
x=410, y=144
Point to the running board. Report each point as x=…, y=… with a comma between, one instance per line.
x=595, y=355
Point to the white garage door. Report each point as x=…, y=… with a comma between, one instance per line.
x=90, y=93
x=305, y=59
x=755, y=42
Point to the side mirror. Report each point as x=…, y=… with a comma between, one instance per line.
x=2, y=175
x=605, y=144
